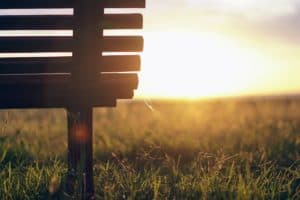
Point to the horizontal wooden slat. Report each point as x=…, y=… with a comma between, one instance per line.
x=36, y=22
x=16, y=4
x=110, y=21
x=27, y=79
x=61, y=90
x=122, y=21
x=120, y=79
x=35, y=102
x=35, y=65
x=105, y=80
x=65, y=44
x=64, y=64
x=123, y=44
x=39, y=97
x=35, y=44
x=125, y=3
x=120, y=63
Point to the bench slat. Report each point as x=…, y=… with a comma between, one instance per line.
x=123, y=44
x=110, y=21
x=64, y=44
x=36, y=22
x=125, y=4
x=41, y=97
x=120, y=63
x=23, y=79
x=120, y=79
x=35, y=102
x=35, y=65
x=23, y=4
x=123, y=21
x=60, y=90
x=64, y=64
x=105, y=80
x=67, y=88
x=20, y=4
x=35, y=44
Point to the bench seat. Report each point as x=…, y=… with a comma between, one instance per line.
x=58, y=90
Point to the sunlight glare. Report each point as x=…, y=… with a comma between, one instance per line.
x=195, y=65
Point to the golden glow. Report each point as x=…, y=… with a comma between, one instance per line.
x=193, y=65
x=208, y=48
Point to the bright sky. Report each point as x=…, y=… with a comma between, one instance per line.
x=205, y=48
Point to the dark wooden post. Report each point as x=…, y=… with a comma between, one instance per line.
x=79, y=183
x=87, y=36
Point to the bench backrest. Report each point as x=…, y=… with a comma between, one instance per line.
x=90, y=75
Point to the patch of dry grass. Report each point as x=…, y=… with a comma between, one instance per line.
x=246, y=149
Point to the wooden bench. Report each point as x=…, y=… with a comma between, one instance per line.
x=79, y=82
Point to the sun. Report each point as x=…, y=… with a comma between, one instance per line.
x=195, y=65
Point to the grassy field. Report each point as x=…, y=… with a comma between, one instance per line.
x=246, y=149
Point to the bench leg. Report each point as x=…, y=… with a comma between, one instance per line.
x=79, y=183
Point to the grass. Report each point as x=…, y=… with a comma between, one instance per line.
x=246, y=149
